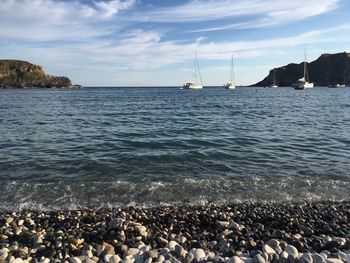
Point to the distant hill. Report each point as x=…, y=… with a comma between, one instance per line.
x=20, y=74
x=328, y=69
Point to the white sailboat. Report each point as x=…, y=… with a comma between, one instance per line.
x=274, y=85
x=195, y=84
x=303, y=83
x=231, y=84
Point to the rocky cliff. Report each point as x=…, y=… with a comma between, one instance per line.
x=20, y=74
x=328, y=69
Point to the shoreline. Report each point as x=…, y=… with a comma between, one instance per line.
x=241, y=233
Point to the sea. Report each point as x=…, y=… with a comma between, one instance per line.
x=113, y=147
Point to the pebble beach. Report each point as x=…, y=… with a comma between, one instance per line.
x=238, y=233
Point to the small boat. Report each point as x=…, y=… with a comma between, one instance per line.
x=274, y=85
x=192, y=85
x=195, y=84
x=303, y=83
x=231, y=84
x=337, y=86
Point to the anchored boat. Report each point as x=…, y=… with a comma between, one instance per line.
x=195, y=84
x=274, y=85
x=231, y=84
x=303, y=83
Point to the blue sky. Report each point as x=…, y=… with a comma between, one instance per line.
x=144, y=42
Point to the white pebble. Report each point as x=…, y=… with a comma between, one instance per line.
x=333, y=260
x=268, y=249
x=16, y=260
x=114, y=259
x=172, y=244
x=199, y=254
x=292, y=250
x=3, y=254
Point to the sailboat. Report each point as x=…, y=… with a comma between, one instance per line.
x=274, y=85
x=303, y=82
x=195, y=85
x=231, y=84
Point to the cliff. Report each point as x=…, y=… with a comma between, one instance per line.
x=20, y=74
x=328, y=69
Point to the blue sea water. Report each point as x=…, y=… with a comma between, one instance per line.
x=107, y=147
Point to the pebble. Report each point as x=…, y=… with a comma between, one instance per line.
x=223, y=224
x=344, y=257
x=87, y=253
x=291, y=250
x=132, y=251
x=180, y=252
x=306, y=258
x=162, y=241
x=317, y=258
x=333, y=260
x=142, y=231
x=189, y=257
x=160, y=258
x=172, y=245
x=74, y=260
x=268, y=249
x=198, y=254
x=259, y=259
x=116, y=223
x=129, y=259
x=108, y=249
x=235, y=259
x=243, y=233
x=4, y=254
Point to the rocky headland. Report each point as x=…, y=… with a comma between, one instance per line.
x=241, y=233
x=328, y=69
x=22, y=74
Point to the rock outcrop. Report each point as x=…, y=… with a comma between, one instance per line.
x=328, y=69
x=22, y=74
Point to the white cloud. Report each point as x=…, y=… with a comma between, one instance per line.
x=86, y=42
x=254, y=13
x=49, y=20
x=109, y=9
x=146, y=51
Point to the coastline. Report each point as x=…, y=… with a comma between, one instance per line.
x=240, y=233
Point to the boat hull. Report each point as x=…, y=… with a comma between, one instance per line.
x=302, y=84
x=192, y=86
x=337, y=86
x=229, y=86
x=308, y=85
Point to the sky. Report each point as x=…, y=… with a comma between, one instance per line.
x=152, y=42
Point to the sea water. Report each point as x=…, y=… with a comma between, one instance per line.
x=110, y=147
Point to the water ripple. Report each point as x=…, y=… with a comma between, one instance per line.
x=105, y=146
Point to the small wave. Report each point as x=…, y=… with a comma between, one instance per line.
x=186, y=191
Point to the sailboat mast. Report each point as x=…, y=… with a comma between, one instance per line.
x=305, y=64
x=274, y=76
x=197, y=66
x=232, y=69
x=233, y=81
